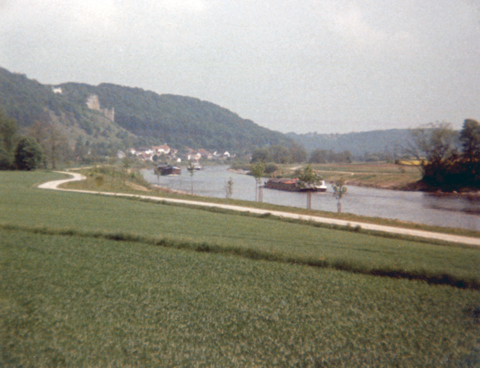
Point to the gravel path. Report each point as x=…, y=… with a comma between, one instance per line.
x=54, y=185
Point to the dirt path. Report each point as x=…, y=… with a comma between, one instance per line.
x=54, y=185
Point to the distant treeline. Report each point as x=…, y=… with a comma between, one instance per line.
x=295, y=153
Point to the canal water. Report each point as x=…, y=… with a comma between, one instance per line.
x=430, y=209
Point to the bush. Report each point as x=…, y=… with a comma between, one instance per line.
x=28, y=154
x=270, y=168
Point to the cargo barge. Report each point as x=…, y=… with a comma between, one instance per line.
x=295, y=185
x=168, y=170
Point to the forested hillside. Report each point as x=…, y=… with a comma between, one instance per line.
x=28, y=101
x=141, y=117
x=176, y=120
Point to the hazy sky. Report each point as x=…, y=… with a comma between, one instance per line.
x=310, y=65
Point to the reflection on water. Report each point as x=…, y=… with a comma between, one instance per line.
x=431, y=209
x=453, y=202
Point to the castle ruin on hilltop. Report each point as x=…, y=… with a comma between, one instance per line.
x=93, y=103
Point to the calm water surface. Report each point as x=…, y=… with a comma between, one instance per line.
x=446, y=210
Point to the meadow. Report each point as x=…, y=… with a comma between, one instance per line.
x=88, y=280
x=377, y=175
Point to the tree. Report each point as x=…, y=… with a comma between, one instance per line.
x=191, y=170
x=435, y=146
x=53, y=142
x=229, y=188
x=5, y=158
x=307, y=180
x=297, y=153
x=8, y=140
x=126, y=163
x=261, y=154
x=257, y=170
x=470, y=140
x=339, y=191
x=319, y=156
x=469, y=167
x=28, y=154
x=280, y=154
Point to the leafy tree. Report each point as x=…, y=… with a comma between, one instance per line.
x=257, y=170
x=470, y=140
x=308, y=179
x=229, y=188
x=28, y=154
x=297, y=153
x=261, y=154
x=191, y=170
x=339, y=191
x=53, y=142
x=9, y=135
x=319, y=156
x=126, y=164
x=468, y=170
x=5, y=158
x=280, y=154
x=436, y=147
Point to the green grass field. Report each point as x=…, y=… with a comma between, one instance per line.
x=83, y=299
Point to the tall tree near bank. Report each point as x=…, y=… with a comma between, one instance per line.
x=191, y=170
x=308, y=179
x=469, y=167
x=339, y=191
x=470, y=140
x=257, y=170
x=435, y=146
x=28, y=154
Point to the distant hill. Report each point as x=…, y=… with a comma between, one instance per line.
x=143, y=117
x=176, y=120
x=140, y=117
x=27, y=101
x=359, y=144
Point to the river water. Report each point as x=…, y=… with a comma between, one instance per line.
x=430, y=209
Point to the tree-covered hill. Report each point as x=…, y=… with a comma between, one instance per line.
x=141, y=117
x=176, y=120
x=358, y=143
x=28, y=101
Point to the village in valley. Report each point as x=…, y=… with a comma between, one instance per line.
x=165, y=153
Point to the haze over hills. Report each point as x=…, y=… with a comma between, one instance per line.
x=120, y=117
x=358, y=143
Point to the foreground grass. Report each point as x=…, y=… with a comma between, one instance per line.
x=24, y=206
x=70, y=301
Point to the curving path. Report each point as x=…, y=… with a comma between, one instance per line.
x=54, y=185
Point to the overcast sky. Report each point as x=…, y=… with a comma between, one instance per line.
x=330, y=66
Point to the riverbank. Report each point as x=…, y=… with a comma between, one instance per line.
x=117, y=186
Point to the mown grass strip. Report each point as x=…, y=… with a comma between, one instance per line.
x=431, y=277
x=324, y=225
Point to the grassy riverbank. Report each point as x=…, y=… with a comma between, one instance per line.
x=88, y=280
x=137, y=185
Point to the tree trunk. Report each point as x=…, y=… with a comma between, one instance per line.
x=339, y=207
